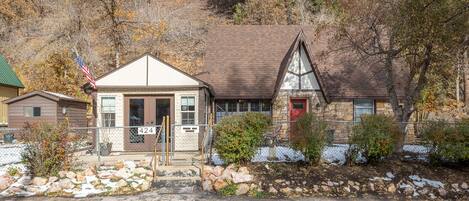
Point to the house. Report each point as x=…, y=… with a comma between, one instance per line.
x=286, y=71
x=141, y=93
x=280, y=71
x=10, y=86
x=48, y=107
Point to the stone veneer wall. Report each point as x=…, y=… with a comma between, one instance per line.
x=338, y=114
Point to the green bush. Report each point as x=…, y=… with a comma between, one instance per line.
x=229, y=190
x=447, y=142
x=309, y=135
x=48, y=149
x=373, y=138
x=239, y=136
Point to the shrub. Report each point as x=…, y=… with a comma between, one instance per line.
x=48, y=149
x=309, y=135
x=239, y=136
x=447, y=142
x=373, y=138
x=229, y=190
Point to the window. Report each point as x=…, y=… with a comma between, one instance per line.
x=233, y=107
x=243, y=106
x=32, y=111
x=188, y=110
x=362, y=107
x=108, y=111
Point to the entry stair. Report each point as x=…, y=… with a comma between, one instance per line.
x=181, y=176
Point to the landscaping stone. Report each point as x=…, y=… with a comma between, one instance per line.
x=145, y=185
x=464, y=186
x=66, y=183
x=273, y=190
x=217, y=171
x=391, y=188
x=122, y=183
x=241, y=177
x=39, y=181
x=53, y=179
x=71, y=175
x=207, y=185
x=442, y=192
x=119, y=165
x=286, y=190
x=219, y=184
x=5, y=182
x=62, y=174
x=243, y=170
x=242, y=189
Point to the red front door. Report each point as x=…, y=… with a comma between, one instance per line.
x=297, y=108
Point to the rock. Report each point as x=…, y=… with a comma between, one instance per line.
x=423, y=191
x=81, y=177
x=219, y=184
x=315, y=188
x=122, y=174
x=66, y=183
x=350, y=183
x=330, y=184
x=213, y=178
x=130, y=165
x=240, y=177
x=226, y=175
x=53, y=179
x=62, y=174
x=279, y=181
x=432, y=196
x=304, y=182
x=286, y=190
x=464, y=185
x=325, y=188
x=217, y=171
x=371, y=186
x=121, y=183
x=242, y=189
x=140, y=170
x=272, y=190
x=39, y=181
x=409, y=190
x=347, y=189
x=71, y=175
x=207, y=185
x=134, y=185
x=243, y=170
x=356, y=187
x=455, y=186
x=54, y=188
x=298, y=190
x=391, y=188
x=119, y=165
x=143, y=163
x=37, y=190
x=390, y=175
x=89, y=172
x=442, y=192
x=5, y=182
x=145, y=185
x=207, y=171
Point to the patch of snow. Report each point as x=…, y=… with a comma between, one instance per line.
x=390, y=175
x=421, y=182
x=335, y=153
x=418, y=149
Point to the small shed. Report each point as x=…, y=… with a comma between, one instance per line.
x=48, y=107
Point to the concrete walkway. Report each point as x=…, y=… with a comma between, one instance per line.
x=154, y=196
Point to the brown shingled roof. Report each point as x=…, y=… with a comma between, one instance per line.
x=244, y=62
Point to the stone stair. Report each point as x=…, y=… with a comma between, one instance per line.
x=177, y=179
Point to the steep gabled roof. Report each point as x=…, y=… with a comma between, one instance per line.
x=245, y=62
x=7, y=75
x=299, y=41
x=46, y=94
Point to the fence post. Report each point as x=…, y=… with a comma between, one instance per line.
x=98, y=151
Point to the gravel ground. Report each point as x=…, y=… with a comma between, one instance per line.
x=154, y=196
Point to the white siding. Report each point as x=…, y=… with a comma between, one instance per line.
x=146, y=71
x=116, y=136
x=292, y=81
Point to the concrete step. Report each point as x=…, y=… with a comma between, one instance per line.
x=177, y=179
x=192, y=172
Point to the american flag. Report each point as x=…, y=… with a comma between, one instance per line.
x=86, y=70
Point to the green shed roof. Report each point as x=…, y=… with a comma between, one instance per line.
x=7, y=75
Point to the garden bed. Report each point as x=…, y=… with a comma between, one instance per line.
x=389, y=179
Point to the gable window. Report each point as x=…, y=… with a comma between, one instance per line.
x=188, y=110
x=108, y=111
x=32, y=111
x=300, y=74
x=362, y=107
